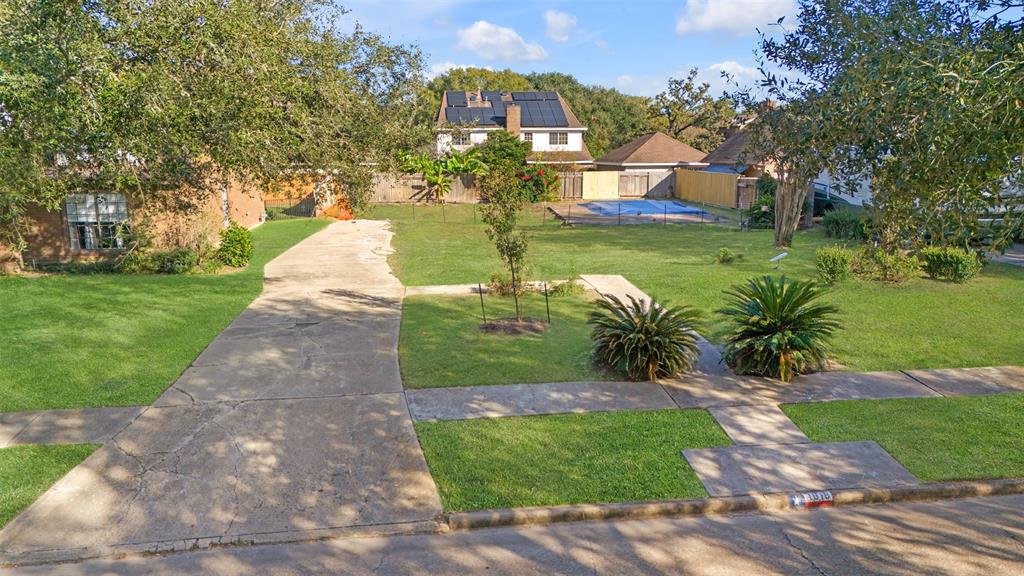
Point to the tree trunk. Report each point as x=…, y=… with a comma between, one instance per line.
x=789, y=200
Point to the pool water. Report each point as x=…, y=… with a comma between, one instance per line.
x=640, y=208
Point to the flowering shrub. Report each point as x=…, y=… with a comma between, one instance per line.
x=540, y=184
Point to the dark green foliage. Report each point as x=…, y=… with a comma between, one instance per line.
x=833, y=263
x=504, y=152
x=161, y=100
x=235, y=246
x=876, y=264
x=540, y=183
x=949, y=263
x=844, y=224
x=779, y=328
x=643, y=339
x=766, y=185
x=727, y=256
x=178, y=261
x=762, y=213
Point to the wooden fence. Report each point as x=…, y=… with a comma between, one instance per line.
x=389, y=189
x=708, y=188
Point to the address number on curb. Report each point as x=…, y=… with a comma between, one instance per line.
x=812, y=499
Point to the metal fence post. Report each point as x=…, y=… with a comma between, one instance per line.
x=546, y=305
x=620, y=213
x=480, y=291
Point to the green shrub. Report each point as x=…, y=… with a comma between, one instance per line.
x=761, y=215
x=642, y=339
x=137, y=262
x=779, y=329
x=180, y=261
x=844, y=224
x=568, y=288
x=235, y=246
x=727, y=256
x=833, y=263
x=877, y=264
x=501, y=285
x=949, y=263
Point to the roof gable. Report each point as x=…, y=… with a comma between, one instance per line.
x=653, y=148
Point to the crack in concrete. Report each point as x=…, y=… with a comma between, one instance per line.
x=789, y=540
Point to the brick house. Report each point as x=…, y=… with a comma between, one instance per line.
x=85, y=227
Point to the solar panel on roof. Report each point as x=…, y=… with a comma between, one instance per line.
x=456, y=98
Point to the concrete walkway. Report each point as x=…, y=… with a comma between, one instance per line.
x=291, y=425
x=77, y=426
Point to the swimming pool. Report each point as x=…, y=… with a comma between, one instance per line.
x=640, y=208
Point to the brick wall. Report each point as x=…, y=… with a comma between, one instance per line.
x=48, y=240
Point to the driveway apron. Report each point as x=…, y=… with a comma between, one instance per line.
x=291, y=422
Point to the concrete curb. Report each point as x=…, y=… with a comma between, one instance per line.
x=544, y=515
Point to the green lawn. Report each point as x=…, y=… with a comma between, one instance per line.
x=921, y=324
x=115, y=340
x=960, y=438
x=442, y=344
x=566, y=459
x=28, y=471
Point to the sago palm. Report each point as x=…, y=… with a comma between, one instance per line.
x=780, y=330
x=644, y=339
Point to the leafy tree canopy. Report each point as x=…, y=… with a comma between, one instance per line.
x=922, y=96
x=160, y=98
x=688, y=112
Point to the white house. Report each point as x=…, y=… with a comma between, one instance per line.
x=541, y=118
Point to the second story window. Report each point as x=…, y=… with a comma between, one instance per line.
x=461, y=139
x=558, y=138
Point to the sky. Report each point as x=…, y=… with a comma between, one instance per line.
x=634, y=46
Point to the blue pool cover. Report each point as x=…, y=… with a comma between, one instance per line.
x=639, y=207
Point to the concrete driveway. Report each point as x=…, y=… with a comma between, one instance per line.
x=291, y=425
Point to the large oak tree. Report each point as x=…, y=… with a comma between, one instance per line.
x=159, y=98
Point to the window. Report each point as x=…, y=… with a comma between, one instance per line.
x=94, y=219
x=558, y=138
x=527, y=136
x=461, y=139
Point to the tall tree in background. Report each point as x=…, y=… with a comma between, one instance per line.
x=160, y=99
x=611, y=117
x=924, y=97
x=688, y=112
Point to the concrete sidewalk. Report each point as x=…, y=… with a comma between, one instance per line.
x=291, y=425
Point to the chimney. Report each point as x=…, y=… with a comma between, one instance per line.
x=513, y=119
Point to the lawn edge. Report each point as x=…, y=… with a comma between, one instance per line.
x=754, y=502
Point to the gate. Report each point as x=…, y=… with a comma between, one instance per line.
x=633, y=185
x=572, y=185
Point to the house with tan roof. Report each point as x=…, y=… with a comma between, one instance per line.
x=542, y=118
x=655, y=155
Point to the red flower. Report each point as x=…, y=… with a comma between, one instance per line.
x=541, y=172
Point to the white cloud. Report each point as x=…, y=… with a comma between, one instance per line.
x=742, y=76
x=442, y=67
x=736, y=16
x=603, y=46
x=559, y=25
x=492, y=42
x=624, y=80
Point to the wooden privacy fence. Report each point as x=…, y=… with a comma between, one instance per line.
x=389, y=189
x=708, y=188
